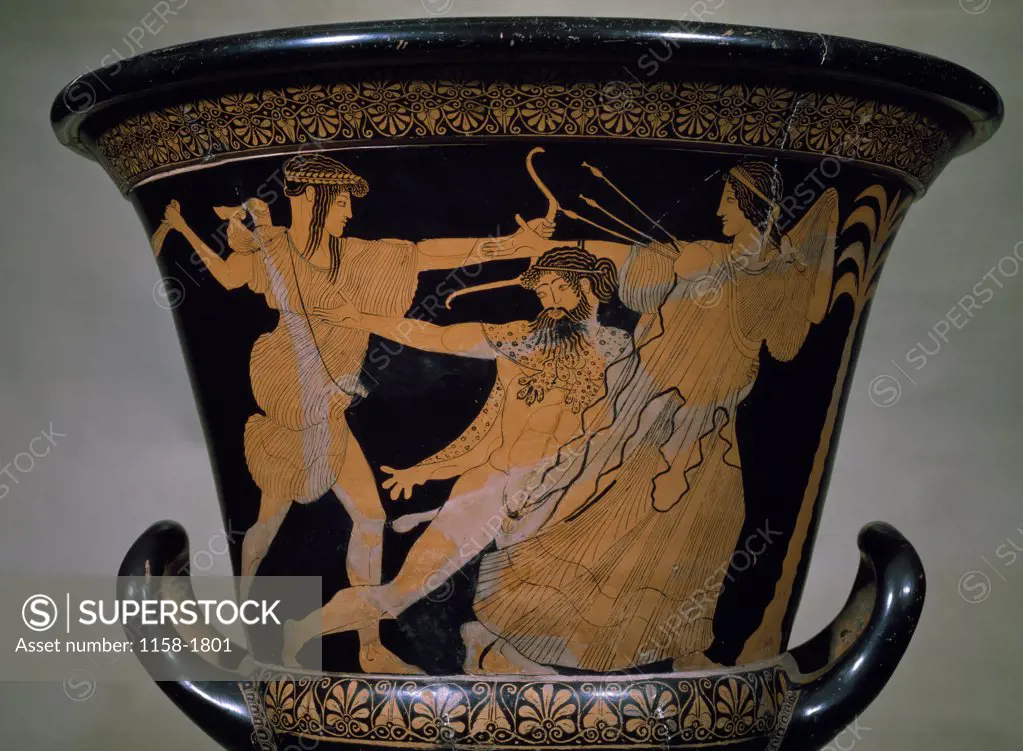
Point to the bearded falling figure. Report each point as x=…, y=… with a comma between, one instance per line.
x=558, y=332
x=549, y=370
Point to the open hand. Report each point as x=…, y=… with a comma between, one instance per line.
x=532, y=239
x=402, y=482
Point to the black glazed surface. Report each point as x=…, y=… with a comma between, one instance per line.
x=643, y=48
x=419, y=402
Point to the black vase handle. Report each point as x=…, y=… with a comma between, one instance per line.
x=842, y=669
x=217, y=705
x=845, y=667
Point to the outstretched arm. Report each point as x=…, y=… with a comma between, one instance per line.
x=232, y=272
x=450, y=253
x=698, y=259
x=402, y=481
x=470, y=450
x=690, y=260
x=459, y=465
x=617, y=253
x=466, y=339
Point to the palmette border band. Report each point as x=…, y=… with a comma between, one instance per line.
x=526, y=712
x=690, y=112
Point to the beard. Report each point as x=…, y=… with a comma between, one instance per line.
x=562, y=332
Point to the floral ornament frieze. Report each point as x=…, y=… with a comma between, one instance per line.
x=649, y=712
x=693, y=112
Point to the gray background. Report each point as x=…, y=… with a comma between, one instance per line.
x=85, y=348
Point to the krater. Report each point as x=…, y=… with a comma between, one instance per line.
x=532, y=337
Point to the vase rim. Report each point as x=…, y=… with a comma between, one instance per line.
x=551, y=41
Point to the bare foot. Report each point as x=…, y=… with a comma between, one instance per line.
x=377, y=659
x=488, y=654
x=350, y=609
x=477, y=640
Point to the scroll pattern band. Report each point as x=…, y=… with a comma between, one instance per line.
x=691, y=112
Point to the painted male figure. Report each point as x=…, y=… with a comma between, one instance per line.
x=549, y=371
x=305, y=372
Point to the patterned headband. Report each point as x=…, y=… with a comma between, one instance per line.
x=742, y=176
x=323, y=171
x=559, y=269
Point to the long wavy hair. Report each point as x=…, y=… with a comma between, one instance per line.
x=325, y=195
x=329, y=178
x=760, y=213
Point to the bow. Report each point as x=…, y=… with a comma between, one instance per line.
x=553, y=207
x=552, y=203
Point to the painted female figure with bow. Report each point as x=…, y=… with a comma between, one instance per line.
x=646, y=503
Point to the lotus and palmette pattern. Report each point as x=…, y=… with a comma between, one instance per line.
x=647, y=712
x=711, y=112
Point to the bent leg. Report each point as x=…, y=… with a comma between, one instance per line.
x=273, y=454
x=356, y=489
x=466, y=524
x=260, y=535
x=469, y=521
